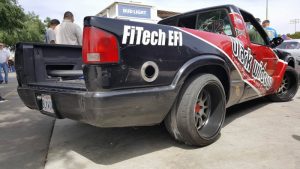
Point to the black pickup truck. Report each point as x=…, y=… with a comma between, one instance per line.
x=185, y=70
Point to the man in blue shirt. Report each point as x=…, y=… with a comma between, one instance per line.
x=272, y=33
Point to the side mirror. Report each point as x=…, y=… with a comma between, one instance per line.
x=275, y=42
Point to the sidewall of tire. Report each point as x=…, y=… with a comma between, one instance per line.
x=185, y=113
x=287, y=97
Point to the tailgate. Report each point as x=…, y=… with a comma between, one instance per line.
x=53, y=66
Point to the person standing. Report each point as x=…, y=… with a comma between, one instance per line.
x=272, y=33
x=11, y=65
x=254, y=35
x=50, y=33
x=4, y=56
x=68, y=32
x=2, y=99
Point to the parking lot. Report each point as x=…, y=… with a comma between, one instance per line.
x=257, y=134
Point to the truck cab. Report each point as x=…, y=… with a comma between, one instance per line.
x=251, y=44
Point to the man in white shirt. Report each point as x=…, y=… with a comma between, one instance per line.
x=68, y=32
x=4, y=56
x=50, y=33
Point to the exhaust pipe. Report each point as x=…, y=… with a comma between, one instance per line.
x=149, y=71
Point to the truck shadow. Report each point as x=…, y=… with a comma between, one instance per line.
x=114, y=145
x=25, y=134
x=240, y=110
x=108, y=146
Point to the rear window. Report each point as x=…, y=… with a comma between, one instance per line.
x=216, y=21
x=188, y=21
x=289, y=45
x=170, y=21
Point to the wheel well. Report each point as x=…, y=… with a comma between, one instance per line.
x=218, y=71
x=291, y=63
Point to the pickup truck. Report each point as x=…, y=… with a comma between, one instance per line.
x=184, y=71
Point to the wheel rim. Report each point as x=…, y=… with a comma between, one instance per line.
x=209, y=110
x=285, y=85
x=202, y=109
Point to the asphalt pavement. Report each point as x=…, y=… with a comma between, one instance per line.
x=258, y=134
x=25, y=134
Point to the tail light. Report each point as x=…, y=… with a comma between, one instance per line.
x=99, y=46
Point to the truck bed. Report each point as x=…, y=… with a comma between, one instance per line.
x=54, y=66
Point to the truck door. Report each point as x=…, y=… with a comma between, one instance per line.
x=243, y=53
x=267, y=68
x=264, y=72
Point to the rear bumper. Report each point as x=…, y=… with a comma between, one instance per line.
x=138, y=107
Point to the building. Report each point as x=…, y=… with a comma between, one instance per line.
x=165, y=14
x=135, y=11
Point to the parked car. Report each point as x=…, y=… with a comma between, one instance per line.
x=292, y=44
x=185, y=70
x=289, y=51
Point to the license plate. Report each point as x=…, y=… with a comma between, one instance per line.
x=47, y=104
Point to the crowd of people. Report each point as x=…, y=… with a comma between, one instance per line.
x=255, y=36
x=66, y=32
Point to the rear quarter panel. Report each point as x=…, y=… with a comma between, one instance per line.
x=170, y=55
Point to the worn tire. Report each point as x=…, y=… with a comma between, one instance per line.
x=288, y=87
x=201, y=104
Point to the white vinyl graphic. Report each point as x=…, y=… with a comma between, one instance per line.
x=250, y=64
x=222, y=51
x=135, y=35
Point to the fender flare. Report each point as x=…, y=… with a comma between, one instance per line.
x=198, y=62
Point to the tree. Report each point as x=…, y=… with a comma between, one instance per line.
x=11, y=15
x=47, y=22
x=24, y=28
x=296, y=35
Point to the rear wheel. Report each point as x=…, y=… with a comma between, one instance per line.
x=288, y=87
x=199, y=113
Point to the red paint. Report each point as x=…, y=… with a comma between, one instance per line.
x=101, y=43
x=274, y=67
x=197, y=108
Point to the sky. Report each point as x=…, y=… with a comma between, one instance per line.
x=280, y=12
